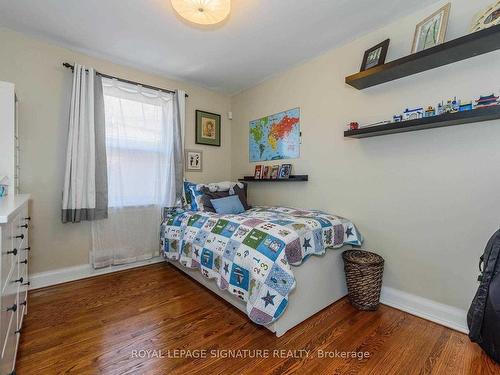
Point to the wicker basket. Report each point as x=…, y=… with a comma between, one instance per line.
x=363, y=272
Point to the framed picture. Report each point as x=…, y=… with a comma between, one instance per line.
x=274, y=172
x=285, y=171
x=431, y=31
x=487, y=18
x=193, y=161
x=375, y=56
x=258, y=172
x=207, y=128
x=266, y=172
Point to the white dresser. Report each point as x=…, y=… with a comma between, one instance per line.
x=14, y=242
x=14, y=225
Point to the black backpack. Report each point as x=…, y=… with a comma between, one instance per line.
x=483, y=317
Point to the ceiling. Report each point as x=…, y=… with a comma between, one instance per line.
x=259, y=39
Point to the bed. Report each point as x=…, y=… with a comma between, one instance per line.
x=273, y=263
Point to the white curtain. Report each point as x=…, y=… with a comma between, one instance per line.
x=142, y=131
x=85, y=181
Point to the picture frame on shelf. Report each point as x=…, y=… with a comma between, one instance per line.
x=486, y=18
x=431, y=31
x=193, y=161
x=285, y=171
x=375, y=56
x=274, y=172
x=266, y=172
x=208, y=128
x=258, y=172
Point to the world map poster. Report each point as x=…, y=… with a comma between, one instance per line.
x=275, y=137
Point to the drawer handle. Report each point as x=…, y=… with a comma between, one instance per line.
x=20, y=280
x=13, y=308
x=23, y=226
x=27, y=218
x=13, y=252
x=21, y=236
x=23, y=303
x=27, y=283
x=27, y=248
x=24, y=261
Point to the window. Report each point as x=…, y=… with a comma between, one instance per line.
x=139, y=130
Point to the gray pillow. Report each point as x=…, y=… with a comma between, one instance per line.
x=209, y=195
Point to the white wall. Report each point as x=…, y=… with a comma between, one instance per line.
x=428, y=200
x=43, y=88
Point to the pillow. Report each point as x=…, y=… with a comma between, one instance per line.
x=228, y=205
x=209, y=195
x=187, y=192
x=193, y=196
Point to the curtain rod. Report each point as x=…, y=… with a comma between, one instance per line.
x=69, y=66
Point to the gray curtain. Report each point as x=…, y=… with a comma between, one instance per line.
x=85, y=194
x=179, y=126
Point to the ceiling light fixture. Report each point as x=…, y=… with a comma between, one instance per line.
x=203, y=12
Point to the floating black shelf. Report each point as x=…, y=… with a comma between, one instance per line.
x=292, y=178
x=468, y=46
x=447, y=119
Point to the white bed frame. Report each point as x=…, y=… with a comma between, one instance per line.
x=320, y=282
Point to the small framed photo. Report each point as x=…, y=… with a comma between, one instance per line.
x=487, y=18
x=285, y=171
x=258, y=172
x=375, y=56
x=431, y=31
x=208, y=130
x=193, y=161
x=266, y=172
x=274, y=172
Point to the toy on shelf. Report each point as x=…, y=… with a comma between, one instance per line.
x=452, y=105
x=486, y=101
x=464, y=107
x=430, y=111
x=4, y=186
x=413, y=114
x=440, y=109
x=376, y=124
x=397, y=118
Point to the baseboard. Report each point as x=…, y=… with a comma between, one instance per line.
x=63, y=275
x=437, y=312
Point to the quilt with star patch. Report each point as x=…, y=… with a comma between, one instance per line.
x=251, y=254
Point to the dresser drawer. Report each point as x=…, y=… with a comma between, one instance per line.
x=19, y=233
x=9, y=306
x=8, y=258
x=10, y=348
x=22, y=309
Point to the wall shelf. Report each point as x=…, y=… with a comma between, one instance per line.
x=292, y=178
x=468, y=46
x=447, y=119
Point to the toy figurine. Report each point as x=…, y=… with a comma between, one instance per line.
x=448, y=108
x=397, y=118
x=413, y=114
x=353, y=126
x=440, y=109
x=465, y=107
x=487, y=101
x=455, y=105
x=430, y=111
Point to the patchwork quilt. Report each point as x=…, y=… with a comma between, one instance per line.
x=250, y=254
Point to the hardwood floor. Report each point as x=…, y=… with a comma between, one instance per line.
x=100, y=325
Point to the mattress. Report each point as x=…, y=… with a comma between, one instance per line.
x=251, y=254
